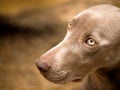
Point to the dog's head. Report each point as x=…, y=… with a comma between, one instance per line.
x=91, y=42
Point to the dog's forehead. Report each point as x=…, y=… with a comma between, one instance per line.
x=97, y=10
x=102, y=15
x=104, y=19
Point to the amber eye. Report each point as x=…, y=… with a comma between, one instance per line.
x=90, y=42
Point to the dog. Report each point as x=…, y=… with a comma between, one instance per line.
x=90, y=51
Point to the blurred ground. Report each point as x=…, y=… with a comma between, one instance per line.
x=28, y=28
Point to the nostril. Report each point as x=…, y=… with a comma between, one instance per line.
x=42, y=66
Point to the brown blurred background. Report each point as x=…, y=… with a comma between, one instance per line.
x=28, y=28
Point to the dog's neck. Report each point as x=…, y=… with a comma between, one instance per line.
x=105, y=78
x=112, y=73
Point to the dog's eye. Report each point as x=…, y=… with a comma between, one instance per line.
x=90, y=42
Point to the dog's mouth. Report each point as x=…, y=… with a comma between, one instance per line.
x=77, y=80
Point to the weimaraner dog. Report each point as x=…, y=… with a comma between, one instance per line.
x=90, y=51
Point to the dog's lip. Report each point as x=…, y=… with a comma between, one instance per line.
x=76, y=80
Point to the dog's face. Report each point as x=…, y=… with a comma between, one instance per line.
x=90, y=43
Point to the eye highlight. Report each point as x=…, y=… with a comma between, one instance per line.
x=90, y=42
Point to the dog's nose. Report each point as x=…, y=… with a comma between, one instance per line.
x=42, y=66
